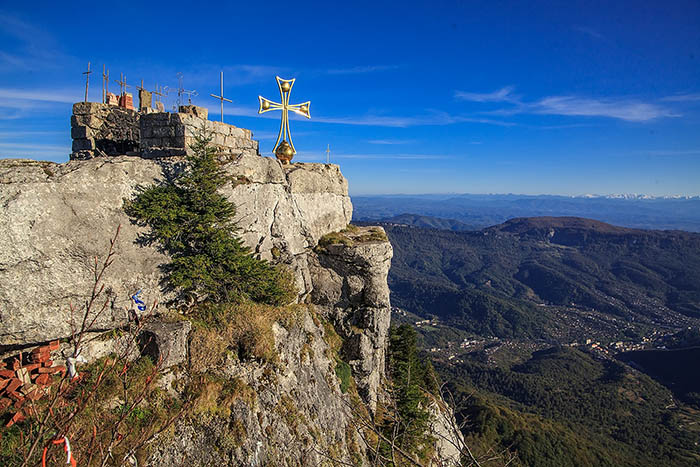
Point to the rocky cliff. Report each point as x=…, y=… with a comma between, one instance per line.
x=57, y=218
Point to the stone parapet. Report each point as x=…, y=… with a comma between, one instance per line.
x=171, y=134
x=100, y=130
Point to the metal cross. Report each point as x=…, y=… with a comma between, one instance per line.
x=122, y=83
x=141, y=88
x=221, y=97
x=158, y=92
x=328, y=154
x=285, y=86
x=87, y=80
x=105, y=83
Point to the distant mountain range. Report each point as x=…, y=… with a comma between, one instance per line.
x=554, y=278
x=479, y=211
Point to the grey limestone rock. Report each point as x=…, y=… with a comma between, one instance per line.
x=165, y=343
x=56, y=218
x=350, y=286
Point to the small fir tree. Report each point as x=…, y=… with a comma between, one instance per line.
x=409, y=419
x=193, y=223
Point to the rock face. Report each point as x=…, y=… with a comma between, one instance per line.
x=295, y=415
x=57, y=217
x=350, y=287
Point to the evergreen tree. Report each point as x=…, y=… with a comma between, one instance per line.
x=193, y=223
x=409, y=418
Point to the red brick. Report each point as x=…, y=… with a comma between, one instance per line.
x=41, y=357
x=54, y=345
x=42, y=349
x=32, y=366
x=18, y=417
x=16, y=364
x=14, y=384
x=48, y=363
x=3, y=383
x=58, y=369
x=19, y=403
x=7, y=373
x=15, y=396
x=46, y=369
x=5, y=403
x=43, y=379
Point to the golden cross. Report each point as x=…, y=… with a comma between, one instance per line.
x=285, y=136
x=87, y=80
x=105, y=83
x=221, y=97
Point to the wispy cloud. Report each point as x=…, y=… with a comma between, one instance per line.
x=672, y=152
x=39, y=95
x=630, y=110
x=27, y=47
x=391, y=141
x=619, y=108
x=392, y=156
x=433, y=118
x=504, y=94
x=33, y=151
x=360, y=69
x=589, y=32
x=690, y=97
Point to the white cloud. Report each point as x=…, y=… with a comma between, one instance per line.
x=589, y=32
x=504, y=94
x=690, y=97
x=673, y=152
x=630, y=110
x=391, y=141
x=623, y=109
x=360, y=69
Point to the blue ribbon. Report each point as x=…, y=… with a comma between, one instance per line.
x=139, y=303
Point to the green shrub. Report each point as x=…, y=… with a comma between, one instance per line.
x=344, y=374
x=192, y=222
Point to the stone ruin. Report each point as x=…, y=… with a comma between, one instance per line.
x=105, y=130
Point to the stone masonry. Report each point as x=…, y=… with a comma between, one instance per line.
x=171, y=134
x=100, y=130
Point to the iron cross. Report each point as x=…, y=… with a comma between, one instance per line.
x=221, y=97
x=87, y=80
x=158, y=92
x=105, y=82
x=122, y=83
x=266, y=105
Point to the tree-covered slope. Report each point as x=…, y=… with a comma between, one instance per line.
x=523, y=277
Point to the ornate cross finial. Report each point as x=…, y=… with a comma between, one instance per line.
x=221, y=97
x=87, y=80
x=284, y=148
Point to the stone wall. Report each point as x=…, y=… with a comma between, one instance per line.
x=100, y=130
x=171, y=134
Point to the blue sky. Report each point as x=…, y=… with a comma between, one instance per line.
x=413, y=97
